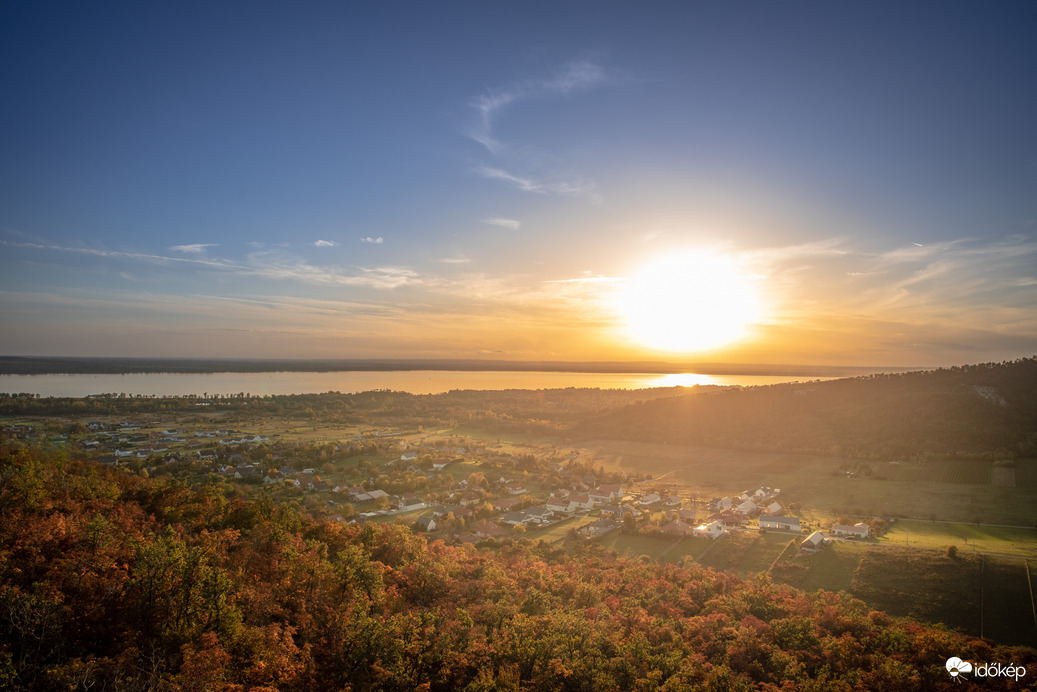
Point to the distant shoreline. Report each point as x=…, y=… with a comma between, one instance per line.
x=31, y=365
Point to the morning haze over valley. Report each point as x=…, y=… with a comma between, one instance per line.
x=518, y=346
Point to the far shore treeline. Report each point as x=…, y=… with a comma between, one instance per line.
x=36, y=365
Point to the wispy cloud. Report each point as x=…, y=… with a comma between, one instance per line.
x=119, y=254
x=455, y=260
x=578, y=75
x=571, y=188
x=575, y=76
x=369, y=239
x=325, y=243
x=269, y=263
x=193, y=249
x=512, y=224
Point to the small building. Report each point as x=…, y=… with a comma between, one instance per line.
x=748, y=507
x=427, y=523
x=619, y=511
x=487, y=529
x=516, y=518
x=580, y=501
x=812, y=543
x=780, y=523
x=560, y=506
x=607, y=493
x=719, y=504
x=729, y=517
x=713, y=529
x=503, y=504
x=677, y=528
x=597, y=528
x=649, y=500
x=541, y=515
x=858, y=530
x=685, y=515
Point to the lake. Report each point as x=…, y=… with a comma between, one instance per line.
x=414, y=381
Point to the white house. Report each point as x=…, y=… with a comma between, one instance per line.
x=858, y=530
x=781, y=523
x=427, y=523
x=813, y=542
x=649, y=500
x=747, y=507
x=710, y=530
x=560, y=506
x=580, y=501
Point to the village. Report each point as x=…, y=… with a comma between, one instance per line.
x=460, y=492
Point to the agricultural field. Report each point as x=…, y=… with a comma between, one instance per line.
x=556, y=532
x=967, y=537
x=831, y=569
x=691, y=547
x=635, y=546
x=746, y=552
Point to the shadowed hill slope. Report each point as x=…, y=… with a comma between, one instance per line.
x=980, y=410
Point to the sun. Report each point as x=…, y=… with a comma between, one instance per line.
x=688, y=302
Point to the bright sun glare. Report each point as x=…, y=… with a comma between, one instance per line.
x=688, y=302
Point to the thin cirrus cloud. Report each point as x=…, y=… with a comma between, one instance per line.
x=325, y=243
x=192, y=249
x=374, y=241
x=578, y=75
x=562, y=188
x=575, y=76
x=268, y=263
x=121, y=254
x=510, y=224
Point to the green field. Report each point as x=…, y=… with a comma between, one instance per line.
x=635, y=546
x=967, y=537
x=745, y=552
x=556, y=532
x=831, y=569
x=691, y=547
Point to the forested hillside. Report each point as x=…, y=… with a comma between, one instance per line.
x=109, y=581
x=983, y=410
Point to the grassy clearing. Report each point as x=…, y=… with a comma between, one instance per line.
x=556, y=532
x=1007, y=612
x=967, y=537
x=831, y=569
x=729, y=550
x=635, y=546
x=922, y=584
x=691, y=546
x=763, y=552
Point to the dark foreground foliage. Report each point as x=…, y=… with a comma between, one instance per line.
x=113, y=582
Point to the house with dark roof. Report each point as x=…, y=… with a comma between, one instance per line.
x=780, y=523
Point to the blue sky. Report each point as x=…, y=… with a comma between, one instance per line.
x=464, y=179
